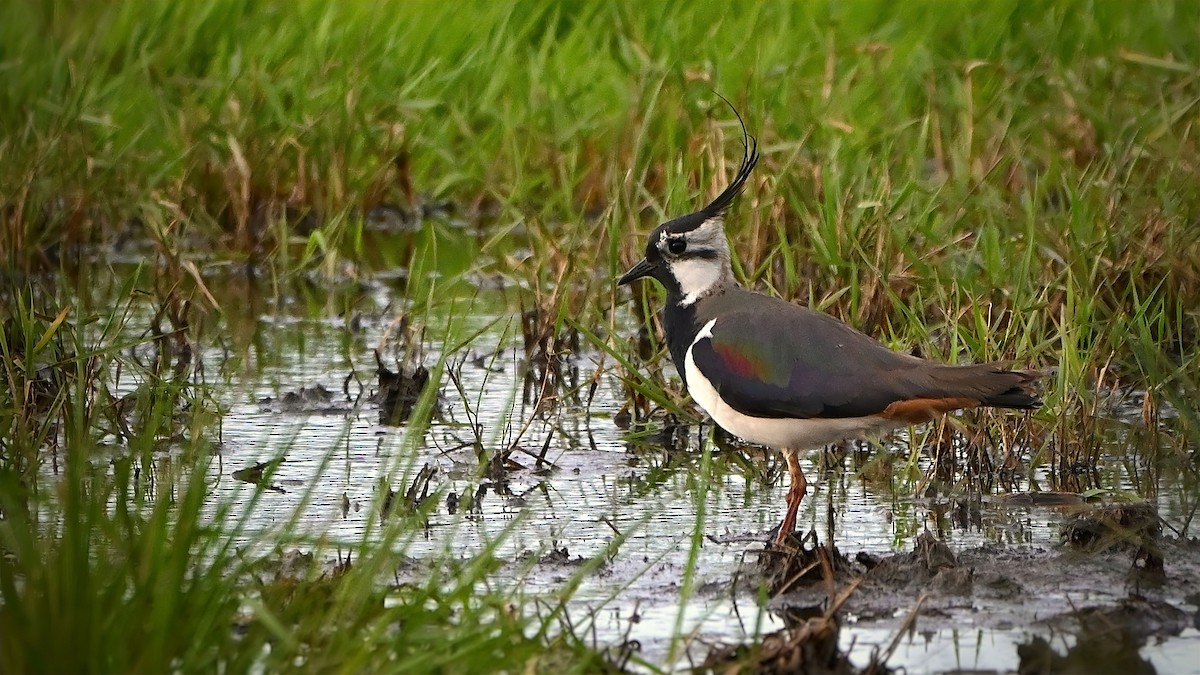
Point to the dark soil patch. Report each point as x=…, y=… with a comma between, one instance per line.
x=1098, y=587
x=807, y=645
x=398, y=392
x=1002, y=588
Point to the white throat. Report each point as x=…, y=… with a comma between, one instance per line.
x=696, y=277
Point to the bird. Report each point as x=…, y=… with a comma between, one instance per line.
x=786, y=376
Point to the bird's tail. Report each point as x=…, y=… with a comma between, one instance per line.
x=1011, y=388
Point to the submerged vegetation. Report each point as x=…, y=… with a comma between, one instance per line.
x=971, y=180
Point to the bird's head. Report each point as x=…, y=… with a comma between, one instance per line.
x=689, y=255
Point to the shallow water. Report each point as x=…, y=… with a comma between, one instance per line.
x=337, y=460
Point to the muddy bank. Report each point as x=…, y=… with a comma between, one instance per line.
x=1110, y=600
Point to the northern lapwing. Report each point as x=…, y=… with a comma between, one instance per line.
x=786, y=376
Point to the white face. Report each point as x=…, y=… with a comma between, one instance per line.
x=702, y=264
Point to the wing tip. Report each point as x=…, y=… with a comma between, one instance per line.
x=1020, y=395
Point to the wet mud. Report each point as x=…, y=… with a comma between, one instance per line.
x=1114, y=585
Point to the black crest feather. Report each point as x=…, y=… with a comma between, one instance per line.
x=718, y=206
x=749, y=160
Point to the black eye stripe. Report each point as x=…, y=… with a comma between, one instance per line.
x=697, y=254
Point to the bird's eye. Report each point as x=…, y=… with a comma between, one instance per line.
x=676, y=246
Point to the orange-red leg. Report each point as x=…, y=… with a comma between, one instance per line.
x=795, y=494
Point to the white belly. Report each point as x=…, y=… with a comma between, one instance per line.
x=797, y=434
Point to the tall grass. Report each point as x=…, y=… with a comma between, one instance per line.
x=1003, y=152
